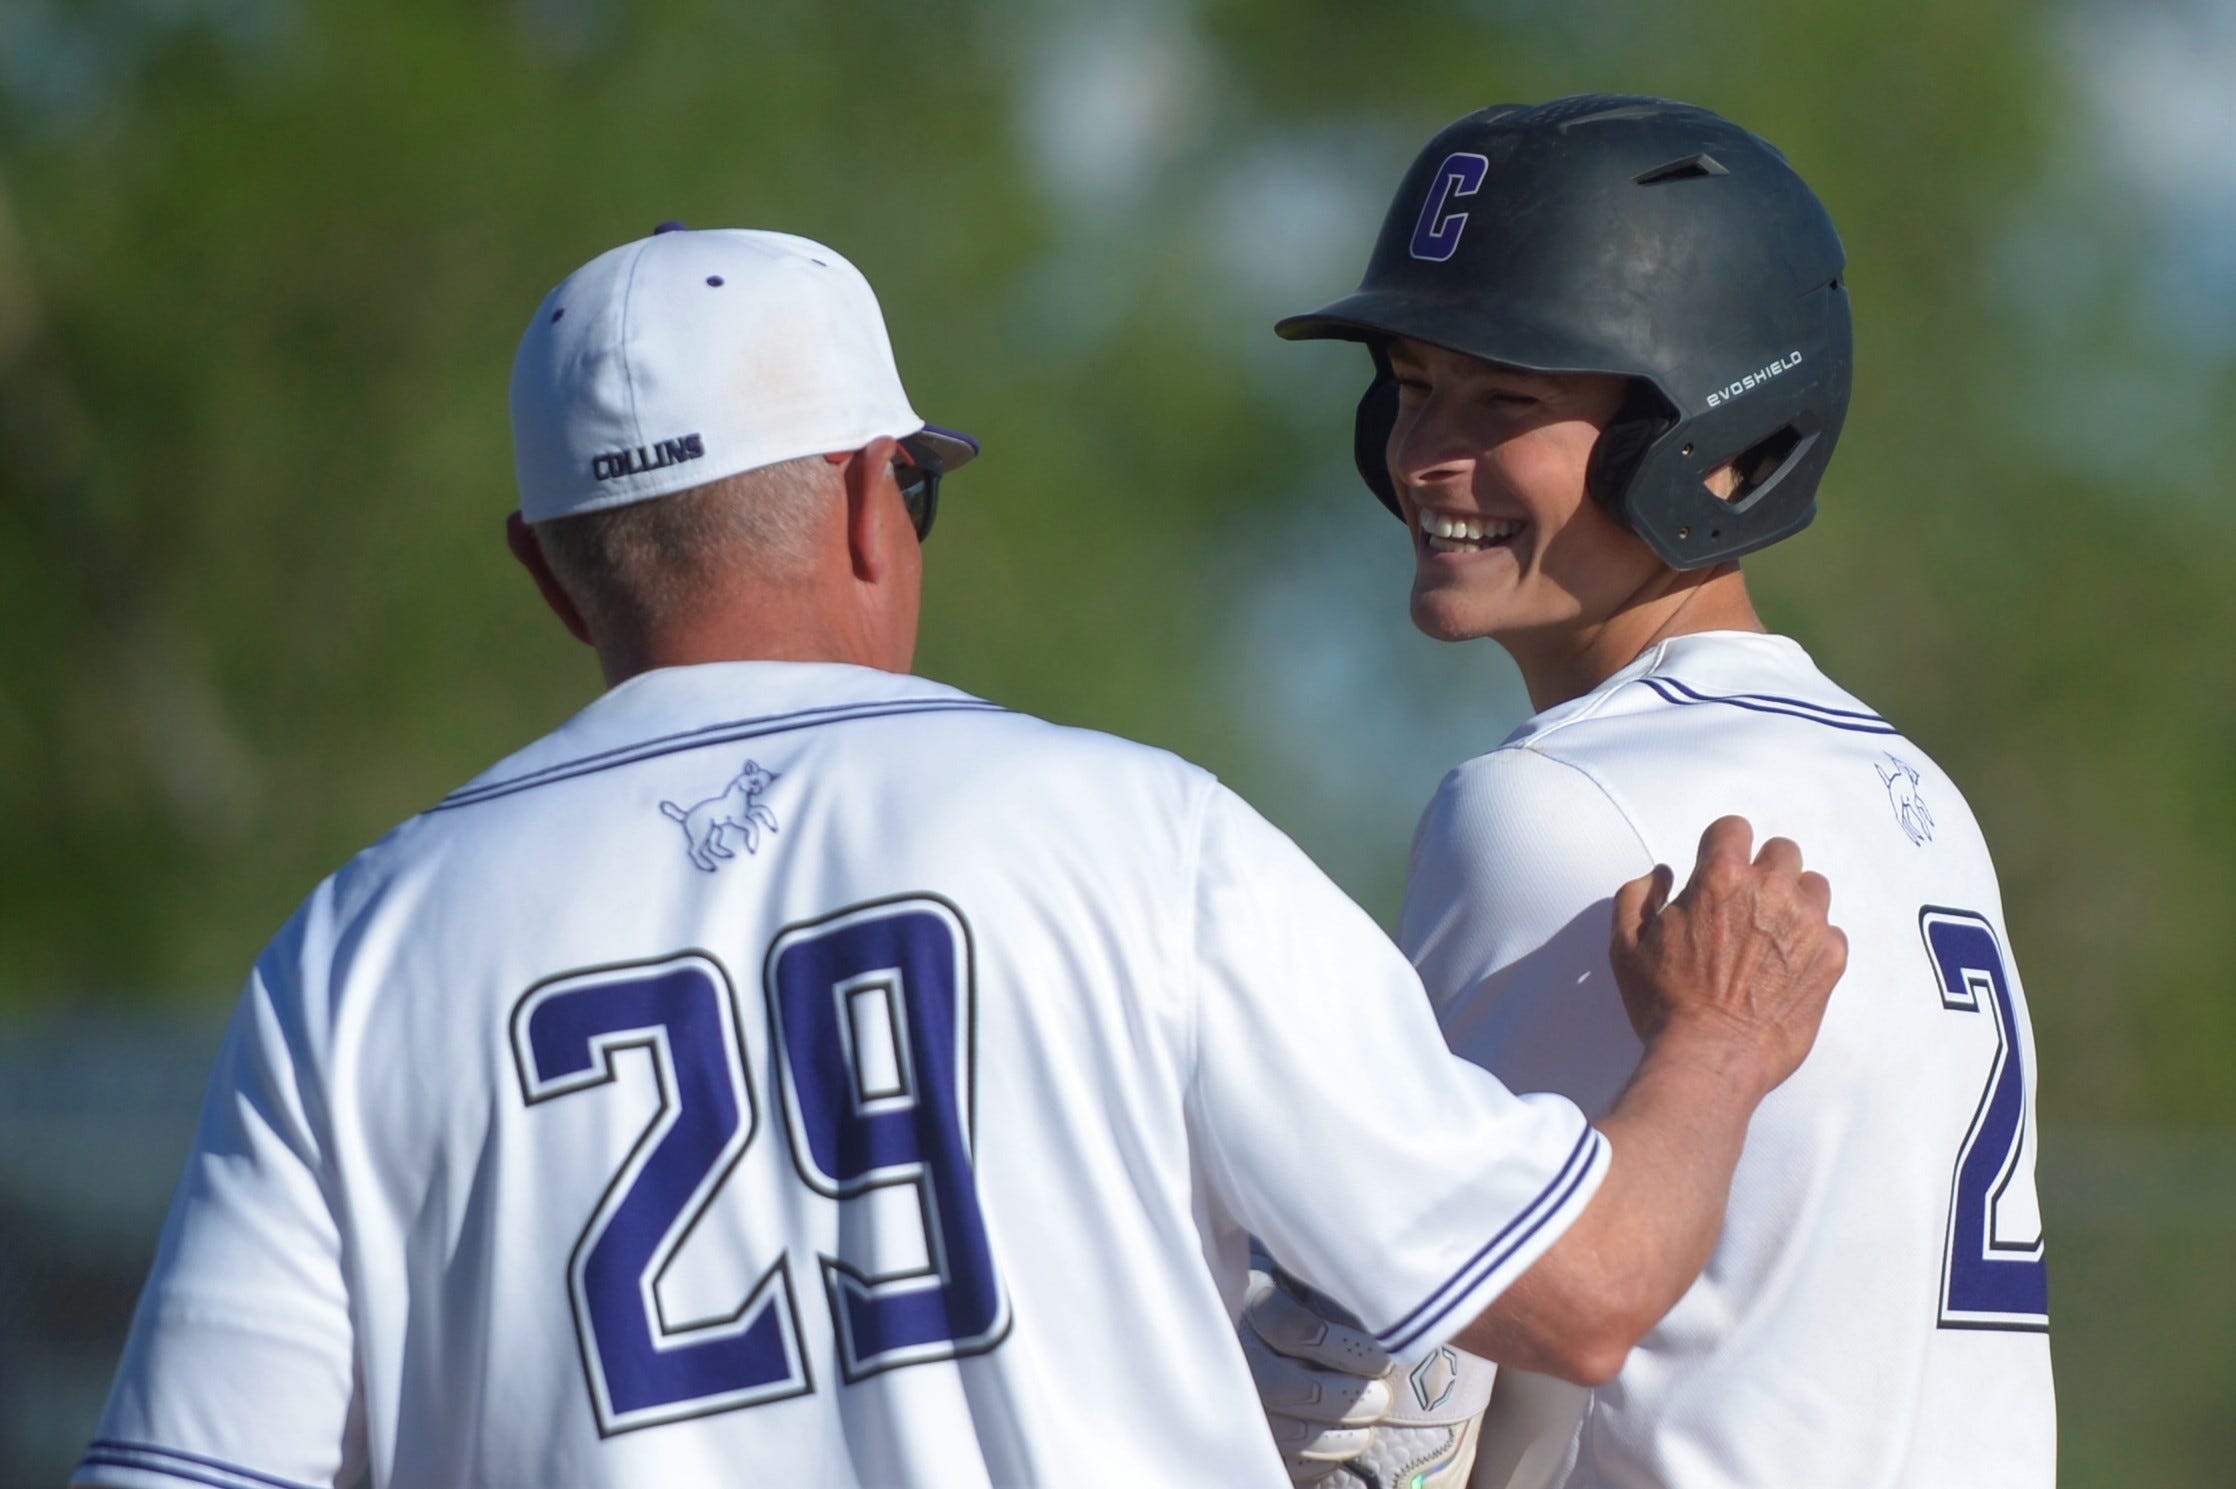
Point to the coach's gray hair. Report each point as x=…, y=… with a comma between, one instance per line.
x=637, y=566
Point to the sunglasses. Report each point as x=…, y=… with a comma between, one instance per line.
x=917, y=473
x=918, y=477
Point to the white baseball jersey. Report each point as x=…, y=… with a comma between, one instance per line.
x=799, y=1074
x=1874, y=1313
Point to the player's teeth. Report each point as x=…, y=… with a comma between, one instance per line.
x=1449, y=534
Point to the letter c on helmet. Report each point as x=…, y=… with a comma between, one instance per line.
x=1436, y=237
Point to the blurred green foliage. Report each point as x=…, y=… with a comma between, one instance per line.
x=262, y=269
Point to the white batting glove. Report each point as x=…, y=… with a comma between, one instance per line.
x=1319, y=1381
x=1347, y=1416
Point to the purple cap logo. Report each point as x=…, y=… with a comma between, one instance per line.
x=1436, y=237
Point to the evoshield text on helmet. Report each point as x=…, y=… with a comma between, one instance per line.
x=1640, y=237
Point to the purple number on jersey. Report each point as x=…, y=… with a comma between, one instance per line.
x=644, y=1370
x=1988, y=1281
x=871, y=1011
x=871, y=1014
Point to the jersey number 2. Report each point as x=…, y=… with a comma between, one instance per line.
x=870, y=1018
x=1989, y=1280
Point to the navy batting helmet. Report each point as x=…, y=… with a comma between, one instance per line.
x=1635, y=236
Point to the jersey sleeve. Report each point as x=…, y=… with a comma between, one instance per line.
x=1407, y=1185
x=240, y=1369
x=1508, y=907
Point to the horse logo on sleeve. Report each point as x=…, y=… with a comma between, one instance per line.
x=1909, y=808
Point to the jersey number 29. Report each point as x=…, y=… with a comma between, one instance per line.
x=1992, y=1276
x=870, y=1026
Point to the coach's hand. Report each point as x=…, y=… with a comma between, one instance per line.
x=1736, y=970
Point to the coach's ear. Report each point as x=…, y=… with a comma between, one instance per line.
x=878, y=536
x=521, y=538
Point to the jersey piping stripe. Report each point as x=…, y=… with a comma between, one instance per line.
x=713, y=734
x=1673, y=691
x=107, y=1460
x=109, y=1453
x=1501, y=1249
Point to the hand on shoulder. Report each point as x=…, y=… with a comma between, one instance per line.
x=1736, y=970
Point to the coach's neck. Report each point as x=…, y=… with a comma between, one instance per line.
x=798, y=565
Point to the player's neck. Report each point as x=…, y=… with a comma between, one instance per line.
x=1565, y=662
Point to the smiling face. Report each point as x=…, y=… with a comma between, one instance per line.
x=1489, y=463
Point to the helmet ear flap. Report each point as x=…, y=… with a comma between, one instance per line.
x=1644, y=417
x=1370, y=433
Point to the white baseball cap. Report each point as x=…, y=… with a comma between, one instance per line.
x=689, y=356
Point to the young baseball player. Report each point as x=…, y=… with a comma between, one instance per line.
x=791, y=1071
x=1611, y=355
